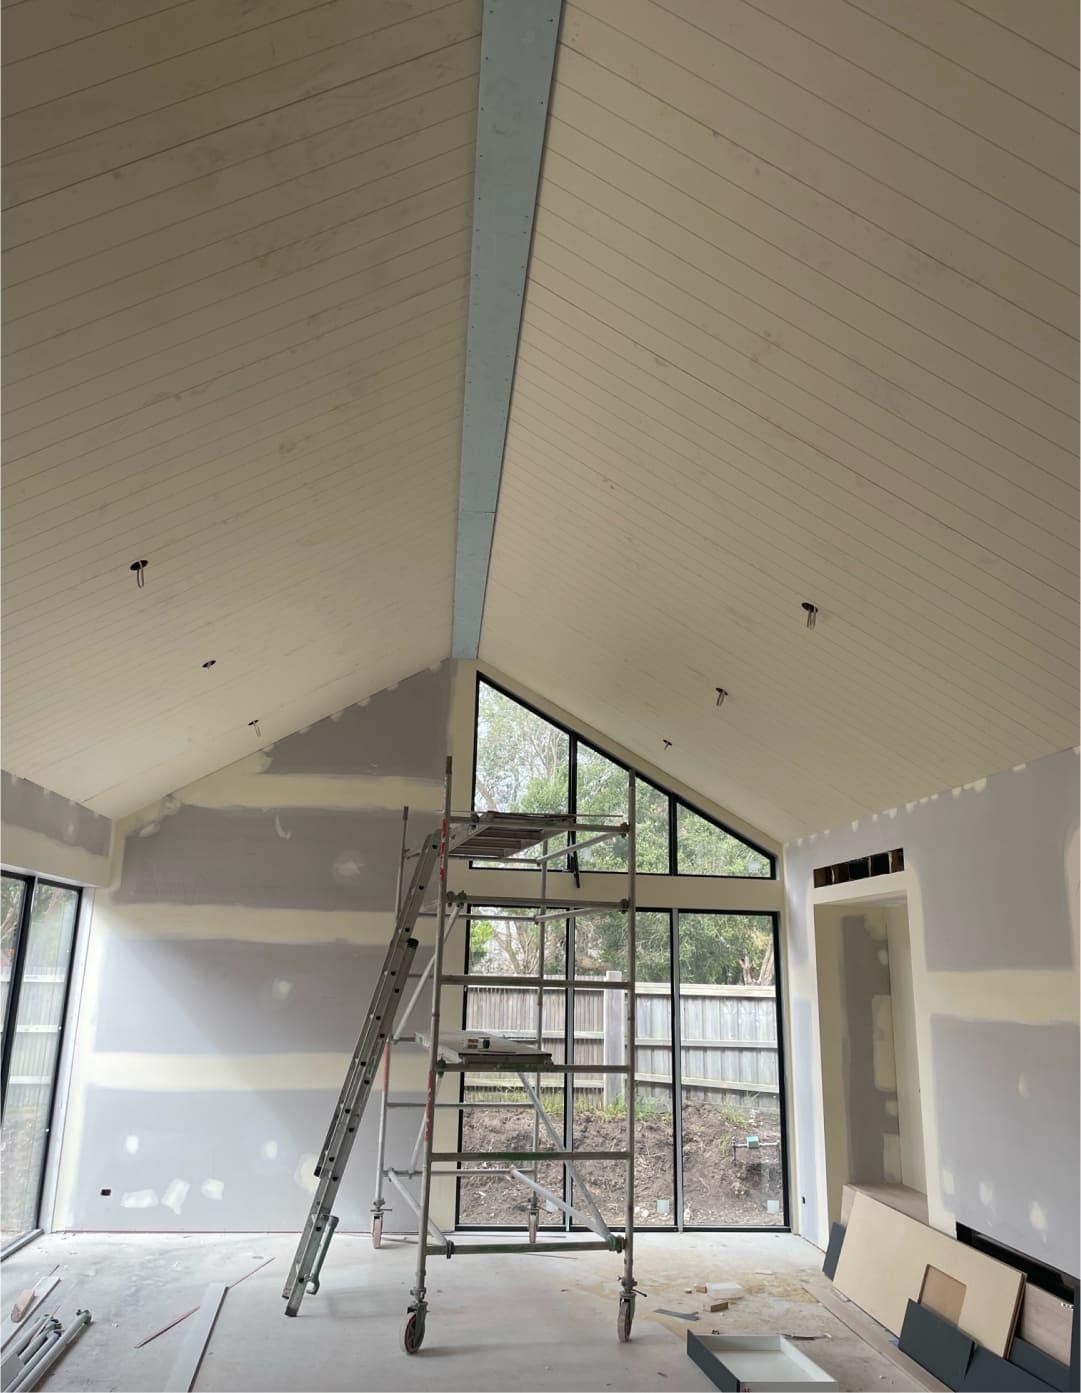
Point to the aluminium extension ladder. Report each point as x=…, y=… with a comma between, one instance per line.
x=349, y=1109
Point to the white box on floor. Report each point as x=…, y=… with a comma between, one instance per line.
x=756, y=1364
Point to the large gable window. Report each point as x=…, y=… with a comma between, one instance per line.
x=525, y=763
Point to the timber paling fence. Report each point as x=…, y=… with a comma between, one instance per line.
x=728, y=1038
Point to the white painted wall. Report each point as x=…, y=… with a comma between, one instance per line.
x=992, y=893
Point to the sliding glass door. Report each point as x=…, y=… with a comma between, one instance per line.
x=39, y=919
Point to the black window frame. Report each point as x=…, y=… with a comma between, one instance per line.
x=677, y=1225
x=11, y=1009
x=674, y=799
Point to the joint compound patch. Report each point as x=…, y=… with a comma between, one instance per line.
x=304, y=1175
x=986, y=1194
x=885, y=1067
x=131, y=1145
x=213, y=1189
x=348, y=866
x=176, y=1192
x=139, y=1199
x=280, y=989
x=269, y=1151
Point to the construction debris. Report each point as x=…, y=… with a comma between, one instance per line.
x=40, y=1345
x=176, y=1321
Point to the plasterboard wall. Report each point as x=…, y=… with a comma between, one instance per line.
x=991, y=886
x=228, y=972
x=230, y=965
x=51, y=835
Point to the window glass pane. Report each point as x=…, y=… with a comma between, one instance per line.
x=34, y=1053
x=600, y=1101
x=522, y=761
x=703, y=848
x=600, y=945
x=602, y=792
x=732, y=1166
x=508, y=945
x=11, y=908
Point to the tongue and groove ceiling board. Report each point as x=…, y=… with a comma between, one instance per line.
x=800, y=324
x=236, y=257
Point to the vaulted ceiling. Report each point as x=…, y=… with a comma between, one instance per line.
x=800, y=324
x=235, y=281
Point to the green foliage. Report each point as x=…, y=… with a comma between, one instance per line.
x=646, y=1109
x=523, y=765
x=726, y=948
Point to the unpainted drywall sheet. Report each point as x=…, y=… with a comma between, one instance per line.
x=52, y=835
x=229, y=971
x=859, y=1076
x=993, y=875
x=909, y=1093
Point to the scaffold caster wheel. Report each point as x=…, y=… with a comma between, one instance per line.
x=626, y=1316
x=377, y=1230
x=413, y=1334
x=533, y=1227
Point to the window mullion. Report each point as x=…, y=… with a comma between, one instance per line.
x=677, y=1066
x=16, y=982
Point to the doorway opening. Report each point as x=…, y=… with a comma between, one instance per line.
x=867, y=1036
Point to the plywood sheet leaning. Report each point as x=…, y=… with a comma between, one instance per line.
x=1047, y=1323
x=884, y=1262
x=901, y=1197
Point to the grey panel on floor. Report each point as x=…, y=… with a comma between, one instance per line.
x=1008, y=1161
x=274, y=858
x=226, y=1160
x=28, y=805
x=937, y=1344
x=1040, y=1365
x=833, y=1249
x=987, y=1373
x=253, y=998
x=401, y=731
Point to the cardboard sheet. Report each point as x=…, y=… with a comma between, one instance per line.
x=883, y=1265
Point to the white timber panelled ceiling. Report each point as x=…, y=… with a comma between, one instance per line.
x=236, y=257
x=801, y=325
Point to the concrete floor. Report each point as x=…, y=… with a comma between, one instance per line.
x=529, y=1323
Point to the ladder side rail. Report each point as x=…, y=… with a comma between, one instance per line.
x=387, y=989
x=329, y=1181
x=405, y=923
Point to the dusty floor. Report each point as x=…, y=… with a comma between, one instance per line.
x=532, y=1322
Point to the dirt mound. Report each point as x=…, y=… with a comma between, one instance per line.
x=725, y=1181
